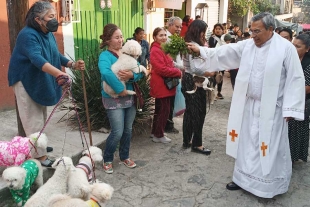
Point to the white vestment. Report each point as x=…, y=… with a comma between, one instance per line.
x=269, y=87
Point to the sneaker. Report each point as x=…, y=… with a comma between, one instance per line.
x=219, y=96
x=128, y=163
x=152, y=135
x=107, y=167
x=163, y=139
x=172, y=131
x=47, y=162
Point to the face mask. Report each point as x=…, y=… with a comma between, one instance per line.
x=52, y=25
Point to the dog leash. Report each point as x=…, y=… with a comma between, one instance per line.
x=67, y=85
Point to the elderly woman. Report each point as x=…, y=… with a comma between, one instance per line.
x=298, y=131
x=121, y=111
x=34, y=66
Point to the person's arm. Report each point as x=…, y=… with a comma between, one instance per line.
x=215, y=59
x=294, y=89
x=104, y=64
x=48, y=68
x=129, y=76
x=307, y=77
x=158, y=62
x=307, y=89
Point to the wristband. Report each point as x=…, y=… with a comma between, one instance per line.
x=72, y=65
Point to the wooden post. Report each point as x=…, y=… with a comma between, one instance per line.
x=16, y=10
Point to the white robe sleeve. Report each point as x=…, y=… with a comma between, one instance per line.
x=294, y=90
x=215, y=59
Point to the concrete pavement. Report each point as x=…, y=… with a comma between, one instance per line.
x=168, y=176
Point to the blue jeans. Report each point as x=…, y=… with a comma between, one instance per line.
x=121, y=121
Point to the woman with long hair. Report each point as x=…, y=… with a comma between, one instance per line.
x=195, y=111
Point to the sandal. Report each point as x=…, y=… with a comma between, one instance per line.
x=128, y=163
x=47, y=162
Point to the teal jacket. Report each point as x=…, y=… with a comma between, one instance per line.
x=106, y=60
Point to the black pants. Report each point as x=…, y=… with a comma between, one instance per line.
x=233, y=75
x=195, y=112
x=219, y=85
x=170, y=124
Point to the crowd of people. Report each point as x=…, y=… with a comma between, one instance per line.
x=267, y=129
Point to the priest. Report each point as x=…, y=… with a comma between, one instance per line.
x=269, y=91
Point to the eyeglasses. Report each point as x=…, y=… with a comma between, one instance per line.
x=256, y=31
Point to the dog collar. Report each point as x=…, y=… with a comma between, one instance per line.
x=93, y=203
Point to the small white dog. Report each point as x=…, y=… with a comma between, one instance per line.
x=20, y=179
x=16, y=151
x=82, y=173
x=100, y=194
x=126, y=61
x=200, y=81
x=57, y=184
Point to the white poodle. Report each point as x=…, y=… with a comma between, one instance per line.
x=16, y=151
x=20, y=179
x=126, y=61
x=57, y=184
x=82, y=173
x=100, y=194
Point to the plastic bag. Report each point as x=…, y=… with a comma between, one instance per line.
x=179, y=102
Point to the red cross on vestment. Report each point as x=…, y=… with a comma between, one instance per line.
x=263, y=148
x=233, y=135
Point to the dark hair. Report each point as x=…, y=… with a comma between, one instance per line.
x=231, y=27
x=218, y=25
x=236, y=25
x=137, y=31
x=197, y=17
x=186, y=18
x=38, y=9
x=304, y=38
x=246, y=34
x=194, y=31
x=288, y=30
x=107, y=33
x=224, y=24
x=278, y=29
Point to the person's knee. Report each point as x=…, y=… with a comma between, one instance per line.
x=116, y=134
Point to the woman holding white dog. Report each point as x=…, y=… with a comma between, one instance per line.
x=35, y=69
x=195, y=111
x=162, y=66
x=121, y=111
